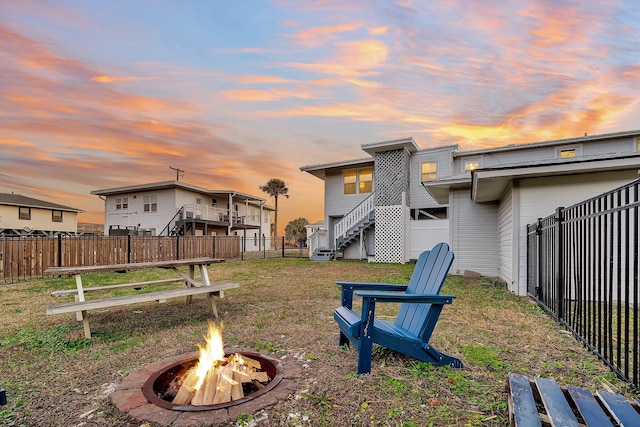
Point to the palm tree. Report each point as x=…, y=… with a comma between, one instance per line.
x=275, y=187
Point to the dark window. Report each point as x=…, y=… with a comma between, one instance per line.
x=24, y=213
x=56, y=216
x=150, y=203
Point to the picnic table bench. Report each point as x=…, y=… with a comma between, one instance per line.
x=193, y=286
x=542, y=402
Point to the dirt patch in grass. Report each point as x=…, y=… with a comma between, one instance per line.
x=284, y=307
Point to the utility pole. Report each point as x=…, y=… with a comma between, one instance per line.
x=179, y=172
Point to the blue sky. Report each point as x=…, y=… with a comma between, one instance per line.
x=96, y=95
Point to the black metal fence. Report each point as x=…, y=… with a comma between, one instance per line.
x=27, y=257
x=583, y=269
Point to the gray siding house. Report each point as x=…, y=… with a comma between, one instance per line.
x=478, y=201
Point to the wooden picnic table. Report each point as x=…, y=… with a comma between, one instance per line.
x=193, y=286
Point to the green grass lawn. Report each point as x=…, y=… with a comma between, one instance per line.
x=284, y=307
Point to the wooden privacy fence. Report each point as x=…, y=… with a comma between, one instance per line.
x=23, y=258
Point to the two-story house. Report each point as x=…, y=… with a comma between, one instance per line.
x=403, y=199
x=177, y=208
x=26, y=216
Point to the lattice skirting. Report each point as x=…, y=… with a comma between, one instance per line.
x=390, y=234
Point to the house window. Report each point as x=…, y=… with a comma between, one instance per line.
x=471, y=165
x=122, y=203
x=428, y=171
x=56, y=216
x=569, y=151
x=198, y=200
x=358, y=181
x=214, y=202
x=350, y=178
x=565, y=154
x=24, y=213
x=150, y=203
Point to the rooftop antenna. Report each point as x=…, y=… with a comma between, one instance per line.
x=179, y=172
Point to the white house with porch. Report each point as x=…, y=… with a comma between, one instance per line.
x=177, y=208
x=400, y=200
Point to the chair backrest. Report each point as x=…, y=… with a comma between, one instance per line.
x=428, y=276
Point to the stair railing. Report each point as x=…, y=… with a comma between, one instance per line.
x=354, y=217
x=172, y=223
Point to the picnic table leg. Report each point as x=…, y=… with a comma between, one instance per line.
x=79, y=296
x=204, y=275
x=85, y=324
x=191, y=276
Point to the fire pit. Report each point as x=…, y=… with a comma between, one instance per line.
x=155, y=388
x=166, y=392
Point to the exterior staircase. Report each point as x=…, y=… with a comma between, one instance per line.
x=322, y=254
x=176, y=226
x=360, y=219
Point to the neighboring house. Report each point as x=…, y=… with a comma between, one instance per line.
x=315, y=231
x=403, y=199
x=176, y=208
x=26, y=216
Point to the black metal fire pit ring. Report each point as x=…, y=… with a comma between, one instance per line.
x=272, y=366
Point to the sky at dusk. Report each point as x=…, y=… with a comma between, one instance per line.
x=97, y=94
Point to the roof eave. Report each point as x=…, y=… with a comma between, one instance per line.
x=490, y=184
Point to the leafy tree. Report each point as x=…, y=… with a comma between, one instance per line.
x=275, y=187
x=295, y=229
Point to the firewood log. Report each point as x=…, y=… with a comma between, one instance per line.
x=236, y=387
x=186, y=392
x=172, y=389
x=251, y=363
x=210, y=385
x=263, y=377
x=223, y=389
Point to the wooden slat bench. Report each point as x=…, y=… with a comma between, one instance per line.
x=194, y=286
x=542, y=402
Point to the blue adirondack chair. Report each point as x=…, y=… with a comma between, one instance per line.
x=416, y=319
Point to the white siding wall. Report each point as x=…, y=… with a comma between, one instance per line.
x=474, y=234
x=425, y=234
x=539, y=198
x=505, y=238
x=418, y=196
x=337, y=204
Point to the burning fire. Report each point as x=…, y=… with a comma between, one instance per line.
x=210, y=353
x=216, y=378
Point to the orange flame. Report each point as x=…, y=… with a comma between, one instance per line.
x=210, y=353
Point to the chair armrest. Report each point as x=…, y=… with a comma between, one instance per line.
x=349, y=287
x=408, y=298
x=393, y=287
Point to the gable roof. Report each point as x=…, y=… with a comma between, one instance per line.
x=10, y=199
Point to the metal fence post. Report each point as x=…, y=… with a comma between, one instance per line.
x=539, y=259
x=129, y=248
x=59, y=250
x=282, y=246
x=559, y=263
